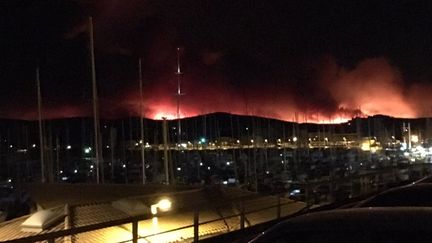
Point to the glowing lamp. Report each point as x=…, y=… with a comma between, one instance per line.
x=163, y=206
x=365, y=146
x=414, y=138
x=153, y=209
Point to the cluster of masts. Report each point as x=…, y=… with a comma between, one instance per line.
x=97, y=137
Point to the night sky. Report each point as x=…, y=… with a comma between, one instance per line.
x=321, y=60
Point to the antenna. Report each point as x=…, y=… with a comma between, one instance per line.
x=179, y=93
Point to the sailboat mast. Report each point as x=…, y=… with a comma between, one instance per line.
x=41, y=142
x=95, y=100
x=165, y=146
x=141, y=122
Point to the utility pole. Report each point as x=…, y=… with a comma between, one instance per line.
x=142, y=123
x=95, y=101
x=41, y=141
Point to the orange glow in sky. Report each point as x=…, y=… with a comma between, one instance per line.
x=373, y=87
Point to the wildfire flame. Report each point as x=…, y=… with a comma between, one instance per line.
x=372, y=87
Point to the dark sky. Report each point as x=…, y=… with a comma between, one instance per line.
x=319, y=59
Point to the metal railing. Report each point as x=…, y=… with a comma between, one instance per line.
x=242, y=220
x=134, y=221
